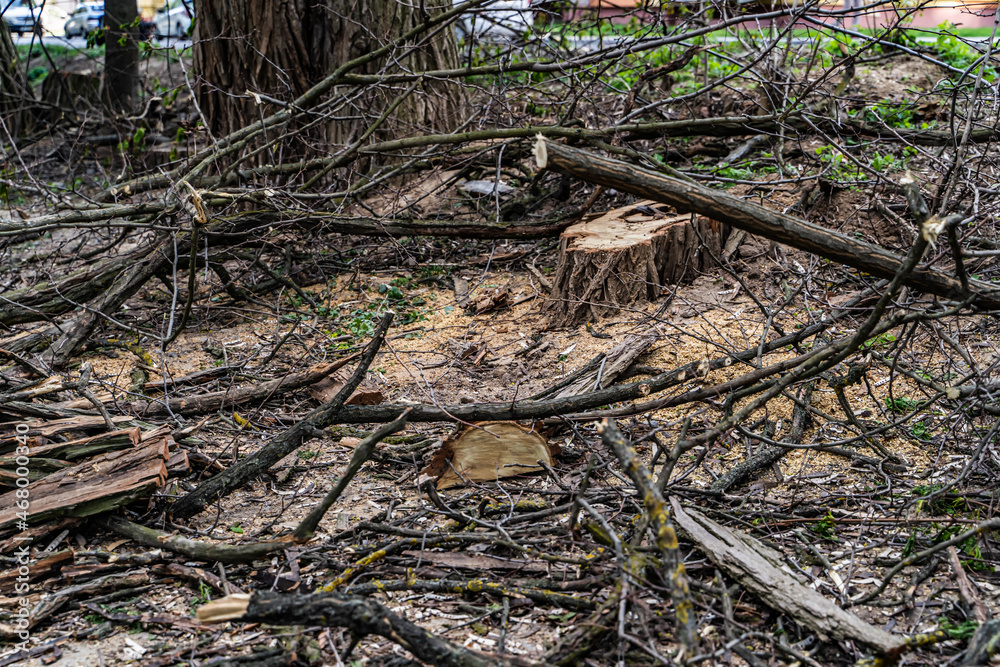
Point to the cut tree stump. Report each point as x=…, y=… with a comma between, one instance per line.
x=622, y=259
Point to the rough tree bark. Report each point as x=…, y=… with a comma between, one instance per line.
x=121, y=55
x=12, y=83
x=279, y=49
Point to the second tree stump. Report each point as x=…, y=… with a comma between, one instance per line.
x=622, y=259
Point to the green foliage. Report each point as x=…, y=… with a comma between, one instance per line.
x=901, y=404
x=880, y=341
x=920, y=431
x=826, y=527
x=963, y=631
x=955, y=52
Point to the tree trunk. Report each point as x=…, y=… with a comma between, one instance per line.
x=622, y=258
x=13, y=89
x=121, y=54
x=279, y=49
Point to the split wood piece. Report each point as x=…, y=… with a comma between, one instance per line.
x=75, y=450
x=93, y=486
x=758, y=220
x=43, y=569
x=194, y=549
x=760, y=570
x=617, y=360
x=217, y=400
x=488, y=451
x=770, y=455
x=362, y=616
x=178, y=465
x=623, y=257
x=42, y=430
x=244, y=470
x=966, y=588
x=49, y=385
x=35, y=534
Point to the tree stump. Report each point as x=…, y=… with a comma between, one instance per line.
x=622, y=259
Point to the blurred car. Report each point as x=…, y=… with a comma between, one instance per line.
x=84, y=20
x=503, y=20
x=22, y=17
x=174, y=19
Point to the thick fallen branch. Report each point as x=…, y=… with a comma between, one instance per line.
x=230, y=398
x=359, y=615
x=666, y=538
x=690, y=197
x=194, y=549
x=253, y=466
x=760, y=570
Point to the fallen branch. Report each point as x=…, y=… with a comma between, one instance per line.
x=216, y=400
x=767, y=456
x=359, y=615
x=690, y=197
x=663, y=529
x=760, y=570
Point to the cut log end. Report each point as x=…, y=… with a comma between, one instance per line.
x=624, y=257
x=488, y=451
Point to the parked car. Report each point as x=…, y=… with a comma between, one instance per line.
x=21, y=16
x=174, y=19
x=84, y=20
x=503, y=20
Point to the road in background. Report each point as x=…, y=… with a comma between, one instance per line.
x=81, y=42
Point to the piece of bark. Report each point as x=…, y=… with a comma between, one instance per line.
x=760, y=570
x=93, y=486
x=615, y=362
x=623, y=257
x=488, y=451
x=217, y=400
x=758, y=220
x=327, y=388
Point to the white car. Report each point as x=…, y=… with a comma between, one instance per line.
x=501, y=20
x=22, y=17
x=174, y=20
